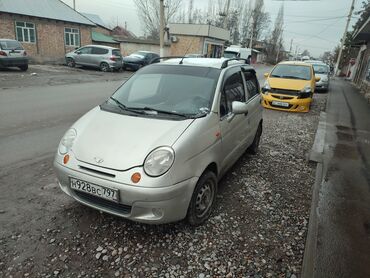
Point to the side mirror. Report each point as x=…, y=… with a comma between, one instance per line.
x=317, y=78
x=239, y=107
x=78, y=52
x=266, y=75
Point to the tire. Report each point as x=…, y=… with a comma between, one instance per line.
x=203, y=199
x=104, y=67
x=24, y=68
x=70, y=62
x=253, y=149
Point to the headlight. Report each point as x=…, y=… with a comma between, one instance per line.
x=159, y=161
x=67, y=141
x=306, y=89
x=324, y=79
x=266, y=87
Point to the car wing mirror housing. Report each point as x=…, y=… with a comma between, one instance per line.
x=317, y=78
x=266, y=75
x=78, y=52
x=239, y=107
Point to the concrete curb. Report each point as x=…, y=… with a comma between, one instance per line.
x=316, y=155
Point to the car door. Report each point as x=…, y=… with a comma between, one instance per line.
x=232, y=127
x=253, y=97
x=98, y=55
x=83, y=56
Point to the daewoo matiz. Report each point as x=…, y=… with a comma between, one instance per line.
x=289, y=87
x=155, y=150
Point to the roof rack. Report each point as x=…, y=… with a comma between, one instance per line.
x=155, y=60
x=225, y=64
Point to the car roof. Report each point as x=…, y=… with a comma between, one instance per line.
x=204, y=62
x=295, y=63
x=101, y=46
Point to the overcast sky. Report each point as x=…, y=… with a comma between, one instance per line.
x=314, y=25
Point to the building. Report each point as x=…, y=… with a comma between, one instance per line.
x=201, y=39
x=361, y=72
x=47, y=29
x=101, y=34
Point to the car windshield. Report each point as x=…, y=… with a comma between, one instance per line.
x=138, y=54
x=292, y=72
x=10, y=45
x=321, y=69
x=230, y=54
x=170, y=89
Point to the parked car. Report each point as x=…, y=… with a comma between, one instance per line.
x=323, y=71
x=289, y=87
x=236, y=51
x=155, y=150
x=138, y=60
x=12, y=54
x=105, y=58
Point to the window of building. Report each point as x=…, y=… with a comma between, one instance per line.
x=25, y=31
x=72, y=37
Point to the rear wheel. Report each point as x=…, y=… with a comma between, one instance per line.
x=203, y=199
x=70, y=62
x=24, y=67
x=104, y=67
x=253, y=149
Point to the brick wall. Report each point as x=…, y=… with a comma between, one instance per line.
x=102, y=30
x=49, y=45
x=128, y=48
x=187, y=44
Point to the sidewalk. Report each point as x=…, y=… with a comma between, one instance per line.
x=338, y=243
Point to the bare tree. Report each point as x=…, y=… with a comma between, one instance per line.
x=148, y=12
x=261, y=19
x=275, y=41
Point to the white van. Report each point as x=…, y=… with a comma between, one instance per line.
x=236, y=51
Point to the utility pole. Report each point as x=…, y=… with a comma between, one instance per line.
x=74, y=4
x=344, y=37
x=161, y=28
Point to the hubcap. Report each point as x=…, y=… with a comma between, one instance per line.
x=204, y=199
x=104, y=67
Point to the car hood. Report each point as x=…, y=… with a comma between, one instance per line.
x=120, y=141
x=288, y=84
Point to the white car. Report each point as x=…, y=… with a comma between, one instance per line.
x=154, y=151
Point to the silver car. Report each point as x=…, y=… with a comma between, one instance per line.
x=155, y=150
x=105, y=58
x=12, y=54
x=323, y=71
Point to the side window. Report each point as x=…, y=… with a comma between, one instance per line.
x=233, y=90
x=85, y=50
x=251, y=83
x=99, y=51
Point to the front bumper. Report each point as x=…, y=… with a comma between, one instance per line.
x=141, y=204
x=131, y=66
x=13, y=61
x=294, y=104
x=322, y=86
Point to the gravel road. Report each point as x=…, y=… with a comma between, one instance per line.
x=258, y=228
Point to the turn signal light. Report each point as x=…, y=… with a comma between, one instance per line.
x=2, y=53
x=66, y=159
x=136, y=177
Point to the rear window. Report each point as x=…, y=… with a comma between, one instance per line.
x=116, y=52
x=9, y=45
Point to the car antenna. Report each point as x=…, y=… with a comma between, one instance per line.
x=190, y=44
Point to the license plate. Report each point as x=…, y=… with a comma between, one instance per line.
x=280, y=103
x=94, y=189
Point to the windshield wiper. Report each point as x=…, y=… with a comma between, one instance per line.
x=124, y=107
x=160, y=111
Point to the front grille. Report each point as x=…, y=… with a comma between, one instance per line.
x=282, y=97
x=106, y=204
x=285, y=92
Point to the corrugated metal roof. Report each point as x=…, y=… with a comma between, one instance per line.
x=51, y=9
x=99, y=37
x=96, y=19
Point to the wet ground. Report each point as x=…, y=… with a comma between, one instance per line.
x=258, y=228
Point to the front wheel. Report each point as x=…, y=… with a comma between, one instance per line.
x=253, y=149
x=71, y=63
x=104, y=67
x=203, y=199
x=23, y=68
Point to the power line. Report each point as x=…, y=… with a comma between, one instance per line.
x=314, y=20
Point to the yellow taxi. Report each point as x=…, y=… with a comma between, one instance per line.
x=289, y=87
